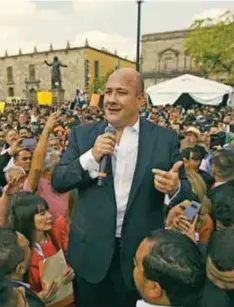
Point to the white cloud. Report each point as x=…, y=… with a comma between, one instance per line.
x=15, y=11
x=22, y=26
x=215, y=14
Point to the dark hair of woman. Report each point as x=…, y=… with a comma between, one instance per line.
x=24, y=209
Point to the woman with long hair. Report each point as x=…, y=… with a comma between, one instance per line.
x=204, y=225
x=31, y=217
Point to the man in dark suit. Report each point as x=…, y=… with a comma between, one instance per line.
x=113, y=219
x=222, y=166
x=15, y=256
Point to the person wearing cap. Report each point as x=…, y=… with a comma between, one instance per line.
x=192, y=136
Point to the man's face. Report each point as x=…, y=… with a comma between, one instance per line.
x=24, y=160
x=122, y=101
x=15, y=123
x=3, y=120
x=23, y=133
x=34, y=111
x=11, y=137
x=191, y=138
x=22, y=119
x=227, y=120
x=55, y=144
x=148, y=290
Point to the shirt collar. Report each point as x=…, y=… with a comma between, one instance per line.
x=144, y=304
x=217, y=184
x=135, y=127
x=24, y=284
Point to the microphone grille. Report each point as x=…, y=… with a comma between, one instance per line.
x=110, y=129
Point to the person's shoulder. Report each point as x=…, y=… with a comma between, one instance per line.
x=155, y=127
x=163, y=132
x=87, y=127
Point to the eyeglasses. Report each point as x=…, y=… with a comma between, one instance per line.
x=27, y=158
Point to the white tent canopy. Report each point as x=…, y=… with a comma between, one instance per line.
x=202, y=90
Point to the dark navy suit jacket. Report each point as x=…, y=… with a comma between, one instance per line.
x=92, y=234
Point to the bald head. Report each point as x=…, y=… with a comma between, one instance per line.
x=132, y=77
x=123, y=98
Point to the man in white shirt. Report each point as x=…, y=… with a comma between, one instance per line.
x=112, y=220
x=169, y=270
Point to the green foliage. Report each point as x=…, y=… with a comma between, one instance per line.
x=98, y=84
x=211, y=44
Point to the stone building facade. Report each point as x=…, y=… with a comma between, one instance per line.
x=22, y=75
x=164, y=57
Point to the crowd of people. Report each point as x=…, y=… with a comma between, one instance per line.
x=132, y=233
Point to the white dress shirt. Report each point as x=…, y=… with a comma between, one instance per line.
x=144, y=304
x=123, y=161
x=123, y=164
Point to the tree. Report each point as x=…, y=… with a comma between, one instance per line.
x=211, y=44
x=98, y=84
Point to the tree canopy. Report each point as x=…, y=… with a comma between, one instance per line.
x=211, y=44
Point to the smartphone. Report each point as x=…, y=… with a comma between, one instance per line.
x=29, y=143
x=192, y=210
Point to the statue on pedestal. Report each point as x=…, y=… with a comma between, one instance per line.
x=56, y=82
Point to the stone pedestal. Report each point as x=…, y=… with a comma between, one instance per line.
x=58, y=96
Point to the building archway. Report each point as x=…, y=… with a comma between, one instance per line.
x=32, y=94
x=11, y=92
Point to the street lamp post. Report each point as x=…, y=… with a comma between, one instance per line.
x=139, y=2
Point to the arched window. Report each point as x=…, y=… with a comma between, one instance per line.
x=32, y=95
x=169, y=60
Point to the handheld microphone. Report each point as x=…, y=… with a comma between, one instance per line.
x=102, y=173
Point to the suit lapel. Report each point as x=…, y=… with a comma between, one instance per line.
x=98, y=129
x=109, y=182
x=145, y=150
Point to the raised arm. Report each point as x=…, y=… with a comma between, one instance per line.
x=39, y=155
x=6, y=157
x=185, y=191
x=8, y=191
x=69, y=173
x=48, y=64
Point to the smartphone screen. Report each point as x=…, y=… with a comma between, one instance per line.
x=191, y=211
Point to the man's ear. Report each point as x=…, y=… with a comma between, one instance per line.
x=153, y=291
x=140, y=100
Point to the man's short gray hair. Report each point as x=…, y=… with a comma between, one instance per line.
x=223, y=164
